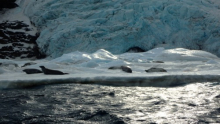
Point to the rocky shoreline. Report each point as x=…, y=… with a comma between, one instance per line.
x=15, y=41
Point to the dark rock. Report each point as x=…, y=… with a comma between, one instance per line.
x=135, y=50
x=29, y=63
x=7, y=48
x=158, y=62
x=112, y=94
x=218, y=96
x=18, y=44
x=191, y=104
x=8, y=4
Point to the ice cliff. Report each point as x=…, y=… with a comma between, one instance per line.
x=117, y=25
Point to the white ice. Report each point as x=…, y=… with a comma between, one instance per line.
x=183, y=66
x=105, y=29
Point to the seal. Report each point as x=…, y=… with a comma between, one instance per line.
x=32, y=71
x=123, y=68
x=51, y=72
x=114, y=67
x=156, y=70
x=126, y=69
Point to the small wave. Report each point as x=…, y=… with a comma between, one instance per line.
x=101, y=116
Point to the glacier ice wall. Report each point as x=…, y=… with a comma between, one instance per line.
x=116, y=25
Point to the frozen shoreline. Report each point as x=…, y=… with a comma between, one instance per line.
x=132, y=80
x=183, y=67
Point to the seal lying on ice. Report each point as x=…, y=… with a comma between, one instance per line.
x=156, y=70
x=32, y=71
x=123, y=68
x=51, y=72
x=126, y=69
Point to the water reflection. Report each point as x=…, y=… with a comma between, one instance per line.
x=75, y=103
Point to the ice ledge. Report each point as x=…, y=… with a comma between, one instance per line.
x=159, y=80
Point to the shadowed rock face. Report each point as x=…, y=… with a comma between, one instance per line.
x=15, y=43
x=8, y=4
x=135, y=50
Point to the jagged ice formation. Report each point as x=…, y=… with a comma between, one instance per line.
x=117, y=25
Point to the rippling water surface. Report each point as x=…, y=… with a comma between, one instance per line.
x=85, y=104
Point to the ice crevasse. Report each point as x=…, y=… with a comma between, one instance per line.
x=117, y=25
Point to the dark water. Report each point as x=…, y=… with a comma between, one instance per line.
x=59, y=104
x=86, y=104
